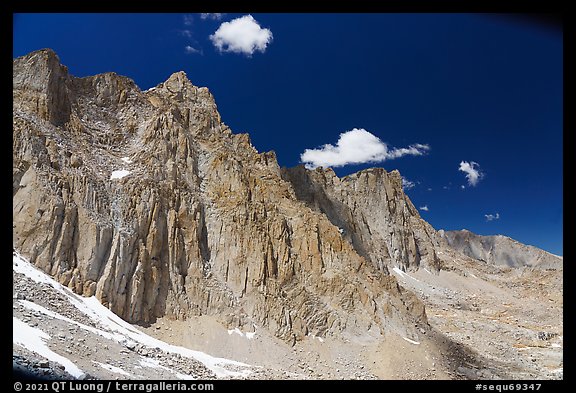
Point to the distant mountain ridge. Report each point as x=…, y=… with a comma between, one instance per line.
x=500, y=250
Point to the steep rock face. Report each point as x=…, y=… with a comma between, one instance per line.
x=500, y=250
x=373, y=214
x=149, y=202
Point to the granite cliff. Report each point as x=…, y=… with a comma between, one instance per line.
x=148, y=201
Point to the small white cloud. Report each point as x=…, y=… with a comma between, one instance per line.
x=357, y=146
x=407, y=184
x=429, y=189
x=445, y=187
x=462, y=186
x=491, y=217
x=190, y=50
x=424, y=208
x=212, y=16
x=241, y=35
x=186, y=33
x=188, y=19
x=472, y=170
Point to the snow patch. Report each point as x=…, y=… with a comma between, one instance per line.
x=151, y=363
x=404, y=274
x=235, y=330
x=116, y=328
x=127, y=160
x=248, y=335
x=119, y=174
x=411, y=341
x=114, y=369
x=36, y=307
x=34, y=340
x=316, y=337
x=340, y=230
x=22, y=266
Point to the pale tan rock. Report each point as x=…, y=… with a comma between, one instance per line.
x=201, y=223
x=372, y=213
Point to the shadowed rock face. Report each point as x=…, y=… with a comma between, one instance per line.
x=372, y=213
x=148, y=201
x=500, y=250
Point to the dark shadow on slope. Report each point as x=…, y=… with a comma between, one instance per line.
x=462, y=362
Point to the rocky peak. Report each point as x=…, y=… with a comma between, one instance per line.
x=41, y=60
x=39, y=84
x=149, y=202
x=178, y=82
x=372, y=213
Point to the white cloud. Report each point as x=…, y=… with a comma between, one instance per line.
x=188, y=20
x=407, y=184
x=188, y=49
x=491, y=217
x=185, y=33
x=357, y=146
x=241, y=35
x=429, y=189
x=213, y=16
x=472, y=170
x=462, y=186
x=424, y=208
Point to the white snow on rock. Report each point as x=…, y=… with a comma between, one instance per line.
x=155, y=363
x=34, y=340
x=127, y=160
x=404, y=274
x=36, y=307
x=316, y=337
x=114, y=369
x=411, y=341
x=151, y=363
x=115, y=328
x=248, y=335
x=119, y=174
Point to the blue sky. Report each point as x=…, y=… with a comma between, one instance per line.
x=426, y=94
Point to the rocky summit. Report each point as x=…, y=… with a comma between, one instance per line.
x=149, y=202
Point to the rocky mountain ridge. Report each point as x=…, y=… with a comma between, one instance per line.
x=149, y=201
x=500, y=250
